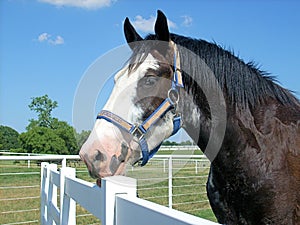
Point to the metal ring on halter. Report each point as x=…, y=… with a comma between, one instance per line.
x=173, y=95
x=137, y=133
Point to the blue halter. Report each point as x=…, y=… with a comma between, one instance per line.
x=140, y=130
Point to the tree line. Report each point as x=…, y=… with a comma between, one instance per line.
x=44, y=135
x=47, y=134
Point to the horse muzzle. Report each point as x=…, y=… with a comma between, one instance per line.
x=102, y=162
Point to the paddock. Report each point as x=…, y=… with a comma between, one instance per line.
x=114, y=203
x=185, y=192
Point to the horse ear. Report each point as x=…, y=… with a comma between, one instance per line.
x=161, y=27
x=130, y=34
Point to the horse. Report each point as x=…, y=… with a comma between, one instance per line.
x=239, y=116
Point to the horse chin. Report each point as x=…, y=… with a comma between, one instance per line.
x=98, y=182
x=135, y=153
x=121, y=170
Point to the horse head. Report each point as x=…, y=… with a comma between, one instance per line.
x=141, y=110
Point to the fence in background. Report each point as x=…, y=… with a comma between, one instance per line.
x=171, y=176
x=8, y=156
x=5, y=154
x=166, y=178
x=115, y=203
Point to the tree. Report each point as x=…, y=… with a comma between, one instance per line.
x=82, y=137
x=48, y=134
x=187, y=142
x=169, y=143
x=8, y=138
x=43, y=106
x=43, y=140
x=67, y=133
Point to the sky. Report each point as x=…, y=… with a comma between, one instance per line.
x=47, y=46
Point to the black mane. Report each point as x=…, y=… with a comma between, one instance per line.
x=242, y=120
x=244, y=83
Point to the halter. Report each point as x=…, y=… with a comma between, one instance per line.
x=139, y=131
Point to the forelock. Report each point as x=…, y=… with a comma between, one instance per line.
x=142, y=49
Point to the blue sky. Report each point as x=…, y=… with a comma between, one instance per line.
x=47, y=45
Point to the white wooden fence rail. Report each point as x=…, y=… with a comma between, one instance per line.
x=199, y=161
x=115, y=203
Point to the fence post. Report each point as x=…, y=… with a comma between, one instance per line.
x=67, y=204
x=110, y=187
x=44, y=192
x=64, y=162
x=48, y=192
x=170, y=182
x=52, y=192
x=28, y=162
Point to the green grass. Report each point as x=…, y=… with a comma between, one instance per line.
x=189, y=192
x=17, y=205
x=180, y=152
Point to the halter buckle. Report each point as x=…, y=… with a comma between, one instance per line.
x=173, y=96
x=137, y=133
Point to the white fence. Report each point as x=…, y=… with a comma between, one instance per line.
x=179, y=182
x=40, y=157
x=6, y=154
x=172, y=168
x=115, y=203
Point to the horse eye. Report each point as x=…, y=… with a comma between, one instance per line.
x=149, y=81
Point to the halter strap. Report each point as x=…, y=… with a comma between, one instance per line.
x=178, y=82
x=116, y=120
x=139, y=130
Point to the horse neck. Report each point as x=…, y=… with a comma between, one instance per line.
x=203, y=121
x=196, y=98
x=202, y=104
x=222, y=91
x=191, y=117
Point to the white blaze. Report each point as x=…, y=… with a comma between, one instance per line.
x=122, y=103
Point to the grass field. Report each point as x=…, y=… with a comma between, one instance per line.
x=19, y=193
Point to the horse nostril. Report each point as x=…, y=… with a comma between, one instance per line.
x=100, y=156
x=124, y=152
x=114, y=164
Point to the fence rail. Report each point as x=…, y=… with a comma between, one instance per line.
x=115, y=203
x=173, y=186
x=29, y=158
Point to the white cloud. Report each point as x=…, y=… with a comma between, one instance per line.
x=86, y=4
x=57, y=41
x=147, y=25
x=45, y=37
x=187, y=21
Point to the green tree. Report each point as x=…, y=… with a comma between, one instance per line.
x=1, y=145
x=43, y=106
x=8, y=138
x=169, y=143
x=47, y=134
x=43, y=140
x=187, y=142
x=67, y=133
x=82, y=137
